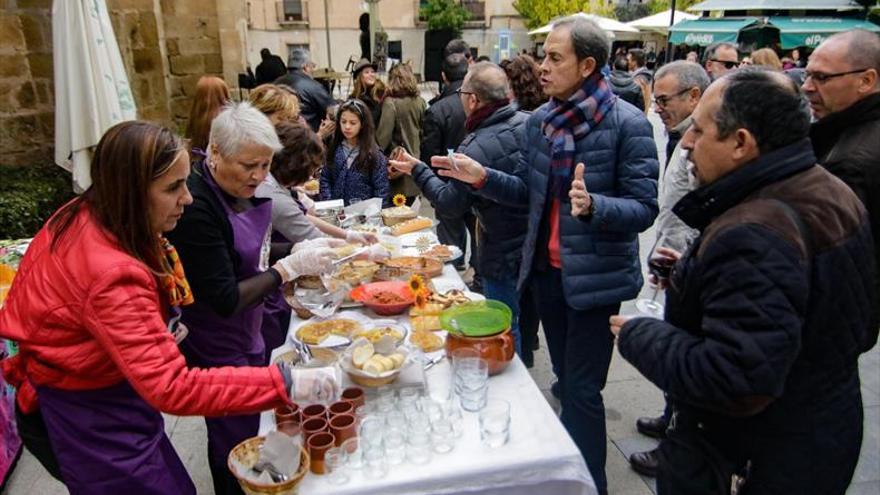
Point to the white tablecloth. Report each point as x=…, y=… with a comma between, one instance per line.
x=539, y=458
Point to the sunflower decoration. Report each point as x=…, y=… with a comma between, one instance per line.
x=399, y=200
x=416, y=284
x=421, y=299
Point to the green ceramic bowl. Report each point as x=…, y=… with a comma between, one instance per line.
x=477, y=319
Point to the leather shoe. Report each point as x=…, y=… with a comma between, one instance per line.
x=644, y=462
x=556, y=390
x=652, y=427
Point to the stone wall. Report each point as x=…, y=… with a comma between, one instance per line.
x=138, y=32
x=192, y=38
x=26, y=95
x=166, y=45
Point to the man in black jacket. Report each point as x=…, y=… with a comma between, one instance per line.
x=767, y=312
x=494, y=128
x=271, y=68
x=313, y=98
x=843, y=87
x=443, y=130
x=624, y=86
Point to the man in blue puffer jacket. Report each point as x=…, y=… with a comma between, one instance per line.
x=588, y=173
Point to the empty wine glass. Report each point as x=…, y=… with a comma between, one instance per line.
x=667, y=249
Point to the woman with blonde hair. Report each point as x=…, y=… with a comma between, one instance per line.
x=368, y=88
x=277, y=102
x=211, y=94
x=403, y=112
x=766, y=57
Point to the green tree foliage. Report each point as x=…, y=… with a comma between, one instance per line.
x=626, y=13
x=444, y=14
x=657, y=6
x=539, y=12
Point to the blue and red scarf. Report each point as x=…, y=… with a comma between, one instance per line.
x=570, y=120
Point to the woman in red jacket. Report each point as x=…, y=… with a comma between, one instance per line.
x=95, y=309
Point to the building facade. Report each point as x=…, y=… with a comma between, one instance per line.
x=495, y=29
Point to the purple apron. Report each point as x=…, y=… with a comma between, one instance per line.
x=216, y=341
x=110, y=441
x=276, y=317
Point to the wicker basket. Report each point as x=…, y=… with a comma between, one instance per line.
x=248, y=453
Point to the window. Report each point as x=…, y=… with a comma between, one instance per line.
x=293, y=10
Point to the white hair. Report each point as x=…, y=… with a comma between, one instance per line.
x=240, y=124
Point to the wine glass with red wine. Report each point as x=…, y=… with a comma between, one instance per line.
x=667, y=249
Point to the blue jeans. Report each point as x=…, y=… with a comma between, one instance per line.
x=504, y=290
x=580, y=345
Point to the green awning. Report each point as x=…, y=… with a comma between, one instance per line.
x=810, y=31
x=705, y=31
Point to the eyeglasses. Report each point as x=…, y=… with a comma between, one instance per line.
x=662, y=101
x=821, y=77
x=726, y=63
x=462, y=92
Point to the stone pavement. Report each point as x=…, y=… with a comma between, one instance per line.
x=627, y=396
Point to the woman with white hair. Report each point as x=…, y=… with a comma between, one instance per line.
x=224, y=242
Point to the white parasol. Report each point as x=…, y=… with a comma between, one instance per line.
x=610, y=26
x=659, y=22
x=91, y=87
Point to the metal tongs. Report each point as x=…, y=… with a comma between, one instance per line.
x=355, y=254
x=305, y=354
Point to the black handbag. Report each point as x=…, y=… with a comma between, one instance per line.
x=690, y=464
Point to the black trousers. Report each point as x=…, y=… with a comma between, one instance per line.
x=35, y=438
x=453, y=230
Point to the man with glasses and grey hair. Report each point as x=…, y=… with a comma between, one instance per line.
x=843, y=86
x=588, y=171
x=678, y=87
x=720, y=58
x=313, y=98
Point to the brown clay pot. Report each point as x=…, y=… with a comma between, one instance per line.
x=343, y=427
x=497, y=349
x=355, y=395
x=319, y=444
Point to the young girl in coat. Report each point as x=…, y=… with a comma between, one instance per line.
x=355, y=168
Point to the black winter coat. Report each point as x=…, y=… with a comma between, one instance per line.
x=270, y=69
x=624, y=86
x=494, y=144
x=847, y=143
x=766, y=316
x=313, y=98
x=443, y=128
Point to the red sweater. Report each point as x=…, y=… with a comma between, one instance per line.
x=88, y=315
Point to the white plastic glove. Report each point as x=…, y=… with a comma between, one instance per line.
x=376, y=252
x=312, y=385
x=320, y=242
x=304, y=262
x=355, y=237
x=315, y=385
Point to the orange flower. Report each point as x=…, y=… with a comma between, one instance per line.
x=416, y=284
x=399, y=200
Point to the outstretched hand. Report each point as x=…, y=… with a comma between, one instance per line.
x=402, y=161
x=464, y=169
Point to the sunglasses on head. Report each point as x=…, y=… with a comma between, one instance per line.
x=726, y=63
x=356, y=105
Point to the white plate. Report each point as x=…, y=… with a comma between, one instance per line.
x=333, y=341
x=456, y=252
x=411, y=239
